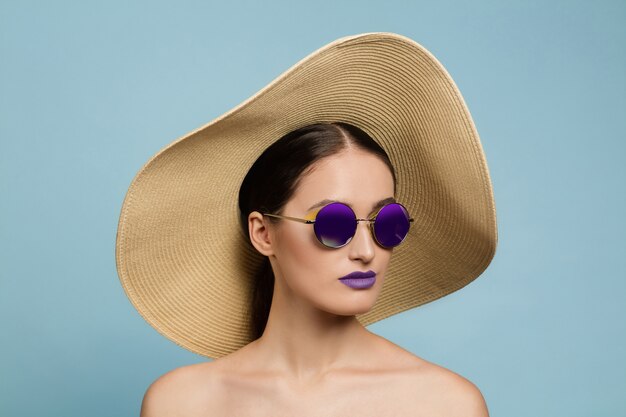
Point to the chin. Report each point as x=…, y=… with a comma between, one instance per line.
x=355, y=308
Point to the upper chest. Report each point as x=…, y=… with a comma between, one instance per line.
x=380, y=394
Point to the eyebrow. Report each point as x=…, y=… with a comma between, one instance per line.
x=375, y=207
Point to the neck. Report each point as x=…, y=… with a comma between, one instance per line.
x=304, y=342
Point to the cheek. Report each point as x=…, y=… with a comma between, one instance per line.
x=298, y=250
x=306, y=265
x=383, y=259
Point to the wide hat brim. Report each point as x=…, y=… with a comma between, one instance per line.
x=181, y=256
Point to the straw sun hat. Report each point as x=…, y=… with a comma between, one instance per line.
x=181, y=256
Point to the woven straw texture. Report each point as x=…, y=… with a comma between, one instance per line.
x=181, y=256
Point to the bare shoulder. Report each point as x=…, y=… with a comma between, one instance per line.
x=182, y=391
x=446, y=392
x=433, y=388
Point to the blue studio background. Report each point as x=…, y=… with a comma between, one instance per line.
x=89, y=91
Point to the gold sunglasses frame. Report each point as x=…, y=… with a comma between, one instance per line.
x=370, y=220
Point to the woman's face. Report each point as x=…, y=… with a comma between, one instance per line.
x=310, y=271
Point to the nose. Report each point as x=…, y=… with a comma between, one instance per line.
x=362, y=245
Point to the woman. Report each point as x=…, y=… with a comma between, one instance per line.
x=281, y=303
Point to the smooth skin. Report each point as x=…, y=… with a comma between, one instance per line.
x=314, y=358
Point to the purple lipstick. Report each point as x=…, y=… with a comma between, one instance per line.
x=359, y=280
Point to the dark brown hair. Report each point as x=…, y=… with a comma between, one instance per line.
x=273, y=178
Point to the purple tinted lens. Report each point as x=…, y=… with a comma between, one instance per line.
x=335, y=225
x=391, y=225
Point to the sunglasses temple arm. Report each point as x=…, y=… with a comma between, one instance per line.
x=290, y=218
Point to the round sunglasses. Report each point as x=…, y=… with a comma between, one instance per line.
x=335, y=224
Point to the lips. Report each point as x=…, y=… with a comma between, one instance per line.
x=359, y=275
x=359, y=280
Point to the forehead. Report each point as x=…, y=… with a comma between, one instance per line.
x=353, y=176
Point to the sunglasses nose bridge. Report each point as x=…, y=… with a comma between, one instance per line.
x=370, y=226
x=361, y=245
